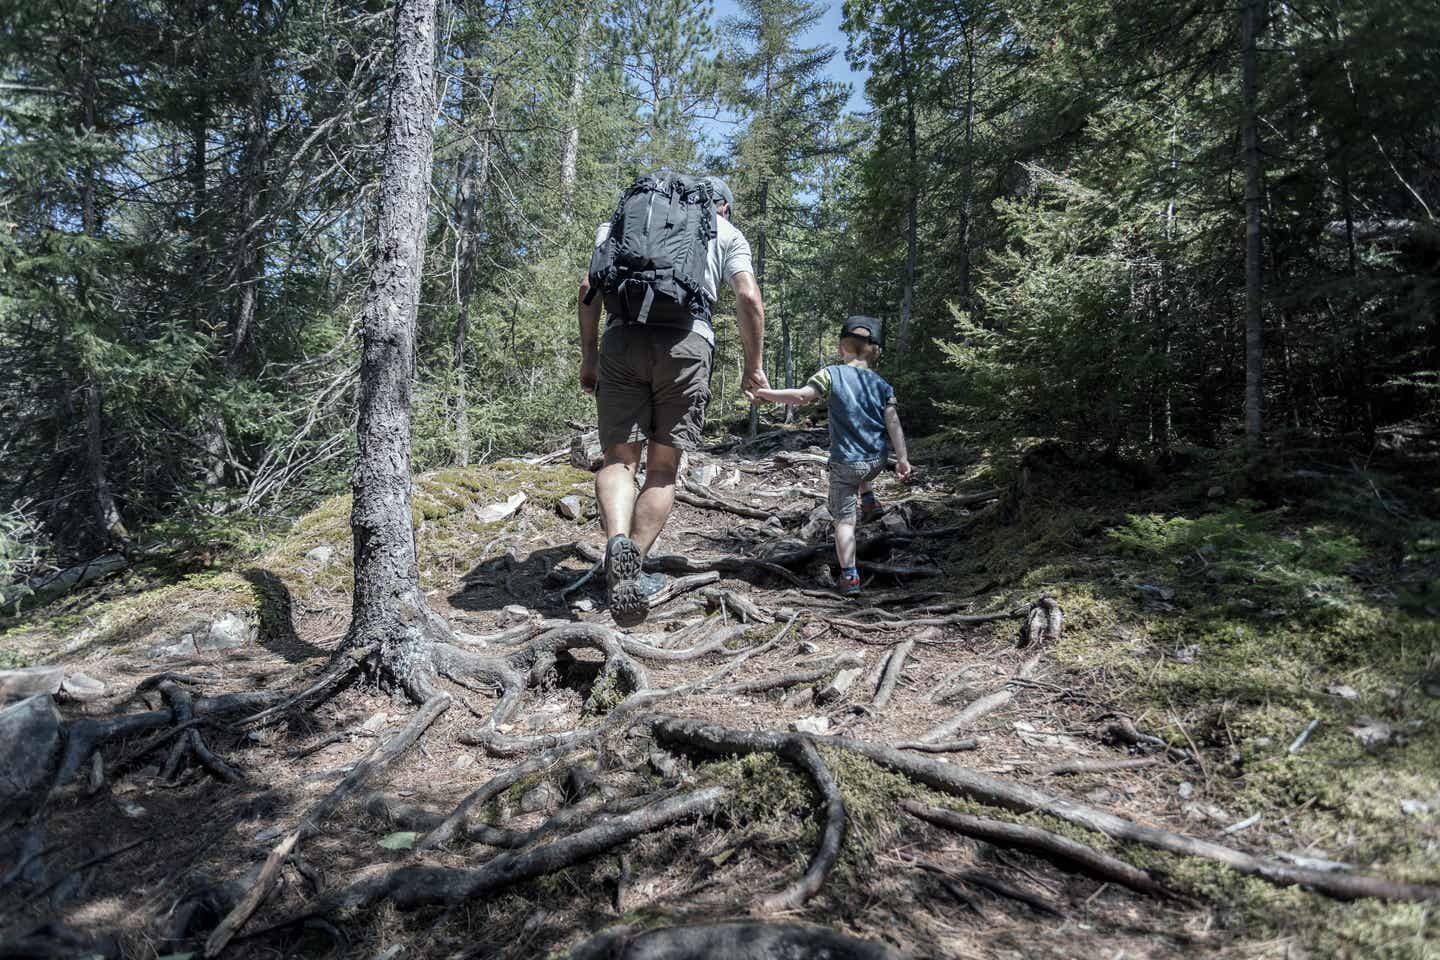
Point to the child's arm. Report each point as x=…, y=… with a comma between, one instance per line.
x=897, y=443
x=793, y=398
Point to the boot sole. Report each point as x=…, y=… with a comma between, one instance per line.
x=622, y=563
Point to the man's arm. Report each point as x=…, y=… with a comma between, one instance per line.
x=589, y=338
x=897, y=442
x=793, y=398
x=750, y=317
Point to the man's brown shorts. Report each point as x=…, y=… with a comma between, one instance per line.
x=654, y=385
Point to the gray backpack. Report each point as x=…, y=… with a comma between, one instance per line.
x=651, y=269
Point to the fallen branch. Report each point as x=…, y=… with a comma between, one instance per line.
x=1096, y=766
x=941, y=746
x=736, y=940
x=1052, y=846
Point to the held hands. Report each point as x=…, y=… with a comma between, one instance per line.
x=754, y=382
x=903, y=470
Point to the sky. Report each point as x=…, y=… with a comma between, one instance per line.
x=826, y=31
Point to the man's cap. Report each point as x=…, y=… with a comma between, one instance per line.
x=722, y=192
x=870, y=324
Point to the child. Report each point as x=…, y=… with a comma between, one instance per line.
x=862, y=418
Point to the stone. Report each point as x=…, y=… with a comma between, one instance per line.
x=731, y=481
x=1187, y=790
x=465, y=761
x=81, y=687
x=29, y=682
x=839, y=685
x=571, y=507
x=1373, y=734
x=663, y=764
x=320, y=555
x=495, y=512
x=29, y=748
x=894, y=522
x=583, y=605
x=226, y=632
x=543, y=797
x=1343, y=691
x=376, y=723
x=1215, y=492
x=815, y=725
x=705, y=474
x=181, y=646
x=514, y=613
x=807, y=646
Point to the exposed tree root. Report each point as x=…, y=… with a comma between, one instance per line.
x=985, y=705
x=893, y=666
x=340, y=667
x=733, y=941
x=1096, y=766
x=1043, y=842
x=798, y=750
x=940, y=746
x=1022, y=798
x=414, y=886
x=379, y=758
x=452, y=825
x=823, y=669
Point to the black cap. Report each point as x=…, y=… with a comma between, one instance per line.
x=870, y=324
x=722, y=192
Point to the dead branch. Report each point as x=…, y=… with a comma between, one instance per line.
x=678, y=586
x=1052, y=846
x=712, y=502
x=940, y=746
x=1009, y=891
x=748, y=609
x=891, y=676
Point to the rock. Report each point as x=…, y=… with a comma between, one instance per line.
x=733, y=480
x=1215, y=492
x=495, y=512
x=929, y=635
x=663, y=764
x=807, y=646
x=376, y=723
x=1187, y=790
x=133, y=810
x=1150, y=591
x=893, y=521
x=29, y=744
x=1414, y=808
x=815, y=725
x=79, y=686
x=839, y=685
x=1373, y=734
x=514, y=613
x=465, y=761
x=583, y=605
x=571, y=507
x=29, y=682
x=818, y=523
x=1343, y=691
x=705, y=474
x=1100, y=795
x=541, y=797
x=1186, y=654
x=586, y=453
x=320, y=555
x=181, y=646
x=226, y=632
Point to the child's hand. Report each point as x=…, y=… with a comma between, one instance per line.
x=903, y=470
x=765, y=395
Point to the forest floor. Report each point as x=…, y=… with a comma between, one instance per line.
x=1203, y=634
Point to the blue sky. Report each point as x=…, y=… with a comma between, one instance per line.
x=826, y=31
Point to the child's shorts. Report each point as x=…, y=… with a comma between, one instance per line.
x=845, y=480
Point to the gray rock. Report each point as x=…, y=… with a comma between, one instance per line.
x=29, y=745
x=29, y=682
x=541, y=797
x=807, y=646
x=376, y=723
x=705, y=474
x=1187, y=790
x=583, y=605
x=79, y=686
x=514, y=613
x=465, y=761
x=571, y=507
x=181, y=646
x=226, y=632
x=320, y=555
x=663, y=764
x=815, y=725
x=1215, y=492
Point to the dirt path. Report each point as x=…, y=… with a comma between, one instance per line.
x=982, y=696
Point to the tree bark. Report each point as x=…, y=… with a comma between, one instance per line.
x=1250, y=19
x=570, y=149
x=907, y=297
x=389, y=609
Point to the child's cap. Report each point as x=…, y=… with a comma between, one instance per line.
x=870, y=325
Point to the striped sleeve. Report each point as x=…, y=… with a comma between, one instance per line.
x=821, y=382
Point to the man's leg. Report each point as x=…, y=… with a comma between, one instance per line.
x=652, y=507
x=615, y=488
x=845, y=543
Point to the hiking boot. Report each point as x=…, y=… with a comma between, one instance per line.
x=622, y=571
x=869, y=511
x=848, y=586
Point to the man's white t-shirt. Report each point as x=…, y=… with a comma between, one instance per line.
x=729, y=254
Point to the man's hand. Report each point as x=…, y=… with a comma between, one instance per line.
x=589, y=374
x=903, y=470
x=755, y=380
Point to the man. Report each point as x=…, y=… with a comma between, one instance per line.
x=651, y=384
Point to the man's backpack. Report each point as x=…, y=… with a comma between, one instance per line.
x=651, y=269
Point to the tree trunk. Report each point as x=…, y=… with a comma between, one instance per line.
x=907, y=297
x=570, y=149
x=759, y=260
x=389, y=610
x=1250, y=17
x=254, y=184
x=967, y=189
x=787, y=357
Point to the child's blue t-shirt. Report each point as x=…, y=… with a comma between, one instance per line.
x=857, y=399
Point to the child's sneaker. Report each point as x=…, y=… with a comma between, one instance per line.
x=849, y=586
